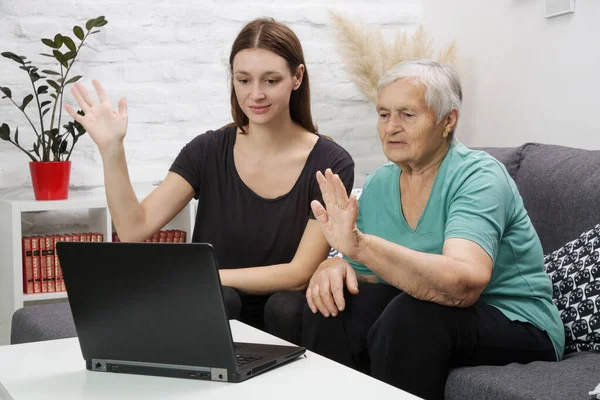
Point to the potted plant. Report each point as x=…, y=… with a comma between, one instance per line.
x=50, y=166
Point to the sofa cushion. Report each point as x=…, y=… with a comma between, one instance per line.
x=574, y=270
x=509, y=156
x=560, y=187
x=572, y=378
x=42, y=322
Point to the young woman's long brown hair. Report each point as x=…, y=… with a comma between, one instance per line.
x=267, y=34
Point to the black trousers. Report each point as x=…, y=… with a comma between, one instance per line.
x=412, y=344
x=280, y=313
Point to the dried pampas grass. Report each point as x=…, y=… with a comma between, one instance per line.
x=362, y=48
x=367, y=55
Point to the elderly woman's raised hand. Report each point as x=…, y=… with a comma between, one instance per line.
x=338, y=217
x=106, y=126
x=325, y=291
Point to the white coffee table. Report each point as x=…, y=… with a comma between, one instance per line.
x=56, y=370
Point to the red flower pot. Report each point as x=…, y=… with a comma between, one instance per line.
x=50, y=179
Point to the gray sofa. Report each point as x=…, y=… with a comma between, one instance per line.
x=561, y=190
x=560, y=187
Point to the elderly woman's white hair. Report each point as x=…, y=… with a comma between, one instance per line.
x=442, y=84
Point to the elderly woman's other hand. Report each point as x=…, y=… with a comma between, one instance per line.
x=338, y=217
x=325, y=291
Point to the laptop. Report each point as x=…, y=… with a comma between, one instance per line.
x=157, y=309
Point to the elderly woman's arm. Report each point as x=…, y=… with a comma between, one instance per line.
x=455, y=278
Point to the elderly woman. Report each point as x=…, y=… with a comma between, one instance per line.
x=442, y=265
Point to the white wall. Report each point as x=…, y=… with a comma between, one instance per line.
x=525, y=78
x=170, y=60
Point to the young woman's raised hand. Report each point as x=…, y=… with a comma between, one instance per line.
x=106, y=126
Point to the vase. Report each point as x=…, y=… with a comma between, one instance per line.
x=50, y=179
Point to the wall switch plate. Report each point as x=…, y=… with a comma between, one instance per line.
x=554, y=8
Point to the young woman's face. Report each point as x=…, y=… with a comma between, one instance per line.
x=263, y=84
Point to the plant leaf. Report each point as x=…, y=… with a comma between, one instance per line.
x=60, y=57
x=13, y=57
x=45, y=111
x=73, y=79
x=42, y=89
x=36, y=148
x=46, y=55
x=6, y=91
x=58, y=40
x=5, y=132
x=45, y=103
x=17, y=135
x=80, y=129
x=94, y=32
x=70, y=55
x=49, y=72
x=55, y=85
x=90, y=24
x=63, y=147
x=67, y=41
x=78, y=32
x=52, y=134
x=53, y=95
x=26, y=101
x=49, y=43
x=69, y=128
x=101, y=24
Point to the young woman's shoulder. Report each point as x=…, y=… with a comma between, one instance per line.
x=330, y=152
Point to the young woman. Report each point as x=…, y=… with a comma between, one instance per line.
x=253, y=179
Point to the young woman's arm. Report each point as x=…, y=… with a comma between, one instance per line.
x=312, y=250
x=107, y=127
x=135, y=221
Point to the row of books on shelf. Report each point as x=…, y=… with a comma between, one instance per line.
x=164, y=236
x=41, y=267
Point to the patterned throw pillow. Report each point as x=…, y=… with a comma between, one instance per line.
x=574, y=270
x=333, y=252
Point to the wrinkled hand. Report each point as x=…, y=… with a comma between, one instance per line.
x=105, y=126
x=338, y=221
x=325, y=291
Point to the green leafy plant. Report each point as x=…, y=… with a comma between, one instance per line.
x=48, y=88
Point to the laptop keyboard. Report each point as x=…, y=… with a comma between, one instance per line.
x=245, y=359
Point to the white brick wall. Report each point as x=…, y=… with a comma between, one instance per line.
x=170, y=60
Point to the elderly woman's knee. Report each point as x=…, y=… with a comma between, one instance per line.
x=313, y=320
x=405, y=316
x=315, y=327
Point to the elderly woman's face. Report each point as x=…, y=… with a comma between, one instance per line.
x=407, y=127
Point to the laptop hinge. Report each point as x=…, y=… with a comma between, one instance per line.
x=218, y=374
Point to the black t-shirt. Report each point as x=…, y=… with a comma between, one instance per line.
x=245, y=229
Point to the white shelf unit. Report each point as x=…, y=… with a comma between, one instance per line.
x=12, y=209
